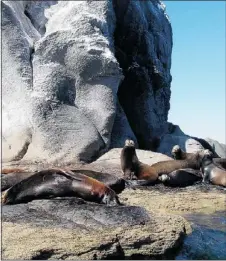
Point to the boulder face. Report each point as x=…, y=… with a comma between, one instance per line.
x=143, y=45
x=64, y=97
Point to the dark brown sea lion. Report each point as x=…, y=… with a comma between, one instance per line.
x=181, y=177
x=115, y=183
x=52, y=183
x=131, y=165
x=128, y=159
x=212, y=173
x=11, y=179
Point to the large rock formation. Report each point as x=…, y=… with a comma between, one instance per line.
x=63, y=64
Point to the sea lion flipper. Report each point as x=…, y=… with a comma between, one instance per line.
x=4, y=197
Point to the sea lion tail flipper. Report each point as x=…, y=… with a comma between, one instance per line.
x=4, y=197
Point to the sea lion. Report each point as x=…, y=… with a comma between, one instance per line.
x=220, y=162
x=128, y=159
x=178, y=154
x=181, y=177
x=11, y=179
x=52, y=183
x=212, y=173
x=131, y=165
x=115, y=183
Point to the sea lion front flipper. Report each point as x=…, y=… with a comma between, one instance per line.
x=136, y=182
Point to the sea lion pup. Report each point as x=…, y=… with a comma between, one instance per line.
x=212, y=173
x=52, y=183
x=181, y=177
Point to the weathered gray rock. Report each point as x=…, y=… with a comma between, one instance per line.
x=184, y=141
x=143, y=45
x=218, y=147
x=61, y=77
x=190, y=144
x=18, y=37
x=73, y=229
x=72, y=78
x=121, y=129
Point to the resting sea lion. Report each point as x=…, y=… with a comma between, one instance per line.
x=181, y=177
x=220, y=162
x=212, y=173
x=179, y=154
x=131, y=164
x=117, y=184
x=52, y=183
x=11, y=179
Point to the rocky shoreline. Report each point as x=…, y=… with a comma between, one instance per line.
x=149, y=225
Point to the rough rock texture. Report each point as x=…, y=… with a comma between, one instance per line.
x=121, y=129
x=185, y=142
x=190, y=144
x=61, y=74
x=218, y=147
x=143, y=45
x=68, y=92
x=72, y=229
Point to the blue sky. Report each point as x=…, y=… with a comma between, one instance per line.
x=198, y=67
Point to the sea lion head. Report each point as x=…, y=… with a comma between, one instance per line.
x=208, y=152
x=164, y=178
x=207, y=159
x=110, y=198
x=129, y=143
x=176, y=151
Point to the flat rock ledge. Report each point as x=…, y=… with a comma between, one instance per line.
x=73, y=229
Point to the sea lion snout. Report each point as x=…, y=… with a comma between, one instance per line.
x=110, y=199
x=129, y=143
x=176, y=152
x=176, y=149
